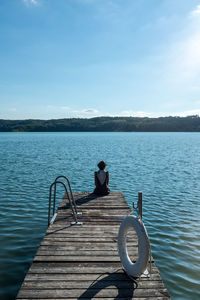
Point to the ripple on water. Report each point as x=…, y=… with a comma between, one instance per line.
x=164, y=166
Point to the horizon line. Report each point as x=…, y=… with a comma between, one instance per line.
x=103, y=116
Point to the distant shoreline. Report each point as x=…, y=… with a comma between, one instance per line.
x=104, y=124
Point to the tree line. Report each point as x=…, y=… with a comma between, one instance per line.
x=104, y=124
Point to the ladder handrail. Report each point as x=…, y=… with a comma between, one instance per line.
x=71, y=194
x=70, y=201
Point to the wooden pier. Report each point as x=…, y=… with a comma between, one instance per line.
x=82, y=261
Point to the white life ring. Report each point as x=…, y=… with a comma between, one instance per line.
x=137, y=268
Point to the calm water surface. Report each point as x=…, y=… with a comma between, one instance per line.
x=164, y=166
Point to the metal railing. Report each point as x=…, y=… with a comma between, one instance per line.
x=71, y=194
x=72, y=203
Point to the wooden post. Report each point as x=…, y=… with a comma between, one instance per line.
x=140, y=204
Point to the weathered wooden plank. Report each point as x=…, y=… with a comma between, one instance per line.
x=63, y=258
x=90, y=217
x=107, y=298
x=109, y=203
x=55, y=258
x=82, y=233
x=92, y=213
x=87, y=236
x=97, y=205
x=86, y=211
x=88, y=196
x=79, y=268
x=82, y=262
x=63, y=222
x=84, y=227
x=79, y=277
x=81, y=252
x=85, y=239
x=79, y=244
x=92, y=292
x=75, y=248
x=88, y=221
x=109, y=283
x=80, y=256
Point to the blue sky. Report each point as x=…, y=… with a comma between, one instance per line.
x=86, y=58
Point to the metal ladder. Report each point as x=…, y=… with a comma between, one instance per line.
x=70, y=197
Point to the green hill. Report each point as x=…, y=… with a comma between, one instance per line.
x=105, y=124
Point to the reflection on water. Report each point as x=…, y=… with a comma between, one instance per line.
x=164, y=166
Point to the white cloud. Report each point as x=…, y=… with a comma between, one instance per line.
x=131, y=113
x=29, y=2
x=57, y=108
x=181, y=63
x=196, y=11
x=66, y=111
x=86, y=113
x=189, y=58
x=186, y=113
x=65, y=107
x=142, y=114
x=90, y=111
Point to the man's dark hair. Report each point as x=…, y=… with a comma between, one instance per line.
x=101, y=165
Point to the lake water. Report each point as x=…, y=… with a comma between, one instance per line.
x=164, y=166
